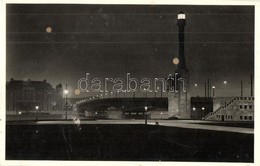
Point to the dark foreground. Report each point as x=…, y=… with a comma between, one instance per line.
x=126, y=143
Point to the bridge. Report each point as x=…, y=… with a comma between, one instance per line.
x=126, y=106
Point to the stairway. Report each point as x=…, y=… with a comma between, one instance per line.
x=212, y=114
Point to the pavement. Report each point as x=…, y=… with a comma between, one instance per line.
x=190, y=124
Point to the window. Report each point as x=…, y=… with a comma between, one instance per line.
x=250, y=107
x=244, y=98
x=241, y=106
x=250, y=118
x=231, y=117
x=245, y=117
x=241, y=118
x=245, y=107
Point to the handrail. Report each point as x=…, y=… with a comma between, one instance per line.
x=221, y=108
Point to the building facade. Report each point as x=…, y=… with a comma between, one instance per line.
x=236, y=109
x=200, y=107
x=26, y=95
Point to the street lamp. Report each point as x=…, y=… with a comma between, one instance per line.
x=66, y=101
x=213, y=87
x=36, y=112
x=145, y=109
x=194, y=113
x=203, y=111
x=225, y=82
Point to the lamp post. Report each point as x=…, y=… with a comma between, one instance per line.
x=36, y=112
x=66, y=102
x=203, y=111
x=145, y=109
x=194, y=113
x=213, y=87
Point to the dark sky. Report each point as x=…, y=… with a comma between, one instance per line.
x=111, y=40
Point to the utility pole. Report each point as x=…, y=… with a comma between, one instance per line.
x=241, y=88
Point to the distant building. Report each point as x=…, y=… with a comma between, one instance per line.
x=200, y=107
x=235, y=109
x=26, y=95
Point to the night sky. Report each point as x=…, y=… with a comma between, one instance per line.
x=112, y=40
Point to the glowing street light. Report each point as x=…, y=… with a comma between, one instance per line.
x=225, y=82
x=36, y=112
x=194, y=109
x=145, y=108
x=195, y=85
x=66, y=101
x=213, y=87
x=203, y=111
